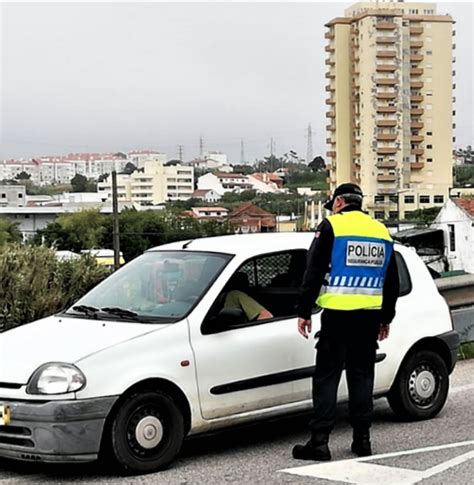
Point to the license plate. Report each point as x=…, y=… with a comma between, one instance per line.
x=4, y=415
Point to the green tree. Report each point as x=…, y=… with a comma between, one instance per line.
x=425, y=216
x=9, y=232
x=79, y=183
x=85, y=229
x=23, y=176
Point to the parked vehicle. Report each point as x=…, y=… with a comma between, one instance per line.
x=152, y=355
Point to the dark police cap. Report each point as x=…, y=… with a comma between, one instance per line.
x=344, y=189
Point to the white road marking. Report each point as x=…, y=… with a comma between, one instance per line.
x=356, y=471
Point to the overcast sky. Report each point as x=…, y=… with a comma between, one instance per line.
x=116, y=76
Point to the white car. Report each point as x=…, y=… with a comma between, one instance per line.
x=153, y=354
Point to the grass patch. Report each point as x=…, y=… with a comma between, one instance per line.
x=466, y=351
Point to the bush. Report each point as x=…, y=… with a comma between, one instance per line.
x=35, y=284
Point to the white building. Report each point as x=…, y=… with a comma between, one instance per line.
x=218, y=157
x=224, y=182
x=456, y=218
x=263, y=184
x=12, y=195
x=217, y=213
x=157, y=184
x=139, y=157
x=208, y=195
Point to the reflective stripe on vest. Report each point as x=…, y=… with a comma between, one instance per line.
x=361, y=252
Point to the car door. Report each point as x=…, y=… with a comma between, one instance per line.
x=258, y=364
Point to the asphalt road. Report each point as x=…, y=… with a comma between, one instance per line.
x=438, y=451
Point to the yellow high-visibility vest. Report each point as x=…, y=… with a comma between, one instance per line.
x=360, y=256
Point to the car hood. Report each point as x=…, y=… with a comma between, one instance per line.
x=60, y=339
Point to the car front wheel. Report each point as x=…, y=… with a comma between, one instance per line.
x=421, y=387
x=146, y=432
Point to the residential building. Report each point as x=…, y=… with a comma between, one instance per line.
x=390, y=104
x=222, y=182
x=208, y=195
x=218, y=157
x=139, y=157
x=12, y=195
x=456, y=218
x=157, y=184
x=249, y=218
x=211, y=213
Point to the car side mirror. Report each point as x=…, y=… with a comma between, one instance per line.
x=225, y=319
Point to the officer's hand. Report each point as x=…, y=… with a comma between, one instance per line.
x=384, y=331
x=304, y=327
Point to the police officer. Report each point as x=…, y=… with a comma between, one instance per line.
x=358, y=298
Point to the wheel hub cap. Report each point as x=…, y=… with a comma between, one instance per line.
x=425, y=384
x=149, y=432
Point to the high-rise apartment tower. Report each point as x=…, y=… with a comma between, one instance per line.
x=390, y=105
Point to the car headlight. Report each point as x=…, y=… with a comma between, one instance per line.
x=56, y=378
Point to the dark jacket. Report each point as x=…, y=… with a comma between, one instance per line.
x=318, y=265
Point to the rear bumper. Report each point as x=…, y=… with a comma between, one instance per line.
x=452, y=341
x=55, y=431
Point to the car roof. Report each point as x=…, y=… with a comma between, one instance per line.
x=247, y=244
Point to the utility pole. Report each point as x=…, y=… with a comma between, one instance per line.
x=242, y=156
x=116, y=229
x=201, y=147
x=309, y=147
x=180, y=152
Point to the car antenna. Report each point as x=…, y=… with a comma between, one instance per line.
x=186, y=244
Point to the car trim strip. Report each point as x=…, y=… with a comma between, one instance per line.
x=272, y=379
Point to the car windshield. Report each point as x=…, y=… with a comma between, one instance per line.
x=159, y=286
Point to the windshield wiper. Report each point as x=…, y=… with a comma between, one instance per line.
x=121, y=312
x=90, y=311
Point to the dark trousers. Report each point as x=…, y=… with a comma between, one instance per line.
x=348, y=340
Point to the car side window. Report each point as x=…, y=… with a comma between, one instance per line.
x=403, y=275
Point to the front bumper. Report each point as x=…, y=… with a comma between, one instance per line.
x=54, y=431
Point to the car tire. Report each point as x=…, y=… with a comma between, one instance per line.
x=421, y=387
x=146, y=432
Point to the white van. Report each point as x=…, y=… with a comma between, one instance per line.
x=152, y=355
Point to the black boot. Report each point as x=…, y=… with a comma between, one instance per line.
x=361, y=443
x=316, y=449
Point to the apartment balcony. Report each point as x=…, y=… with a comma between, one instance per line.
x=386, y=178
x=329, y=35
x=386, y=123
x=417, y=138
x=418, y=30
x=416, y=125
x=386, y=109
x=386, y=82
x=330, y=114
x=330, y=75
x=330, y=141
x=416, y=84
x=386, y=165
x=417, y=151
x=417, y=111
x=386, y=54
x=330, y=88
x=386, y=68
x=385, y=25
x=386, y=39
x=417, y=98
x=386, y=150
x=387, y=191
x=383, y=95
x=386, y=136
x=416, y=57
x=330, y=62
x=417, y=71
x=416, y=44
x=330, y=101
x=331, y=154
x=329, y=48
x=417, y=165
x=331, y=127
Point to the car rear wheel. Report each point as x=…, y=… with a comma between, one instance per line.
x=421, y=387
x=146, y=432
